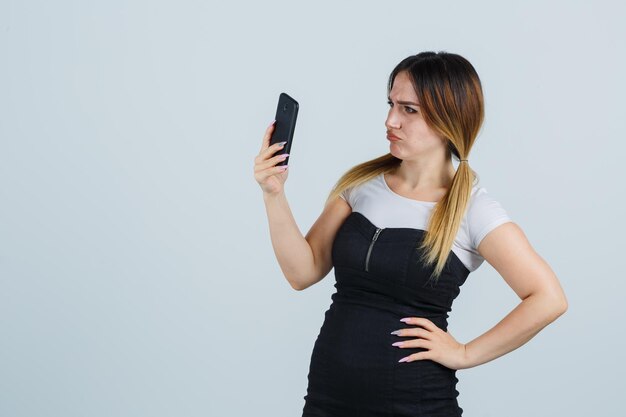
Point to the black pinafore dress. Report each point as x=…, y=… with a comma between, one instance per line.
x=354, y=369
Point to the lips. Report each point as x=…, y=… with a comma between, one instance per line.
x=392, y=137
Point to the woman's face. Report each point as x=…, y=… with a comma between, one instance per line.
x=405, y=121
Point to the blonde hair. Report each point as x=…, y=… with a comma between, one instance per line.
x=451, y=101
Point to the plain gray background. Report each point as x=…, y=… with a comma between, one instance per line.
x=137, y=276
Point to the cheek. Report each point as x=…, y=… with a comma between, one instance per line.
x=418, y=132
x=421, y=142
x=425, y=135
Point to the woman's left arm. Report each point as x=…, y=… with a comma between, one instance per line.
x=507, y=249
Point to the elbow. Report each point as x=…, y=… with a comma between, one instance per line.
x=554, y=305
x=560, y=306
x=303, y=282
x=295, y=285
x=298, y=286
x=556, y=301
x=561, y=303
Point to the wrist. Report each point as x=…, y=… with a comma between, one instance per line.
x=467, y=360
x=269, y=197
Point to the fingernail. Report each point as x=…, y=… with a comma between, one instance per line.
x=273, y=121
x=403, y=359
x=281, y=143
x=405, y=319
x=283, y=167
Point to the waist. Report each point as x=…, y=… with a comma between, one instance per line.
x=378, y=314
x=376, y=305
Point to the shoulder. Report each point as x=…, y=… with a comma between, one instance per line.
x=348, y=195
x=484, y=213
x=351, y=194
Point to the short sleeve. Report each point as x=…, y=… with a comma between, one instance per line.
x=346, y=194
x=484, y=215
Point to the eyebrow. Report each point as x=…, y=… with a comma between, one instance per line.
x=404, y=102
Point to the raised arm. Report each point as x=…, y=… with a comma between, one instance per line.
x=304, y=261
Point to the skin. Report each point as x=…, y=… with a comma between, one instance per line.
x=424, y=174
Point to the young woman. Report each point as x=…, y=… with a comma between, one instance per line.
x=403, y=232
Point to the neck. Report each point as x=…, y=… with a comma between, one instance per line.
x=426, y=173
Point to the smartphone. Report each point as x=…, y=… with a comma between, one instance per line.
x=286, y=115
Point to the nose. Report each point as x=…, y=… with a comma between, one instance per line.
x=391, y=123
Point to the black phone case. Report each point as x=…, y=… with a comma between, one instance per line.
x=286, y=116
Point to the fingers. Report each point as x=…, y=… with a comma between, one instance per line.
x=271, y=150
x=270, y=164
x=416, y=356
x=417, y=332
x=266, y=149
x=266, y=137
x=414, y=343
x=265, y=162
x=421, y=321
x=263, y=174
x=260, y=162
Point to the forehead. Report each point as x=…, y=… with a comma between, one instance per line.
x=403, y=88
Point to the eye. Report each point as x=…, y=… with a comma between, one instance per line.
x=409, y=110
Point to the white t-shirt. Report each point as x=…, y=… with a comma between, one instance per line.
x=384, y=208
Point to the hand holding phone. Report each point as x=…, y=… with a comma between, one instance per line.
x=269, y=166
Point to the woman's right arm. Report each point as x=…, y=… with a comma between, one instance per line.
x=303, y=260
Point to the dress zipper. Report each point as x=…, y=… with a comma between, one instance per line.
x=369, y=251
